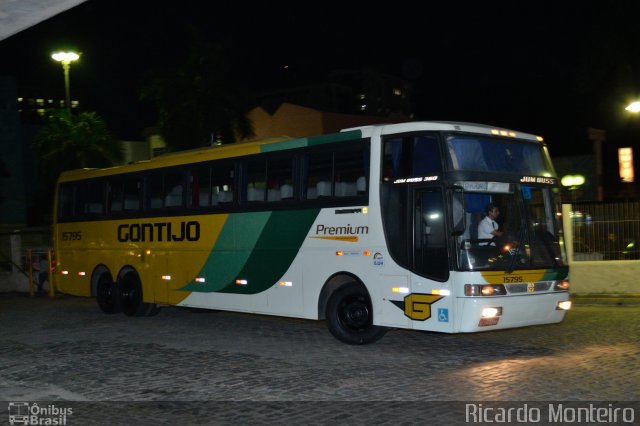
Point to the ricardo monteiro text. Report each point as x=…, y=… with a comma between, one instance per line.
x=553, y=413
x=159, y=231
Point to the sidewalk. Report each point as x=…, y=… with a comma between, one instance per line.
x=606, y=299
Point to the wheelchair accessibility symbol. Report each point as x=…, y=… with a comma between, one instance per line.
x=443, y=315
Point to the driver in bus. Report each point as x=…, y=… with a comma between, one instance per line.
x=488, y=228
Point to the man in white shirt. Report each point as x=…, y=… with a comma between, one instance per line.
x=488, y=227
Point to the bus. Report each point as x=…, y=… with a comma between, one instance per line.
x=370, y=228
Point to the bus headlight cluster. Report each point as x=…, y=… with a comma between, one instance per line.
x=484, y=290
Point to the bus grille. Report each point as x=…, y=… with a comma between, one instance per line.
x=525, y=287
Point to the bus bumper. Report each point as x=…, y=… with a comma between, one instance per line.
x=511, y=311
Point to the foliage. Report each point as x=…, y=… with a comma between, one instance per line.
x=200, y=103
x=69, y=141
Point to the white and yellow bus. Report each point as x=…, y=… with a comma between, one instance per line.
x=369, y=228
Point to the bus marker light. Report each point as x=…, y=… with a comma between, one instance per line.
x=285, y=284
x=564, y=306
x=403, y=290
x=148, y=252
x=491, y=312
x=241, y=282
x=441, y=292
x=166, y=277
x=82, y=274
x=365, y=210
x=200, y=280
x=64, y=272
x=562, y=285
x=366, y=253
x=339, y=253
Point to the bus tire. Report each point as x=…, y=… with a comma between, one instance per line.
x=107, y=295
x=350, y=316
x=131, y=297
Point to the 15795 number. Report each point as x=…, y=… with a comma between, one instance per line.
x=513, y=279
x=71, y=236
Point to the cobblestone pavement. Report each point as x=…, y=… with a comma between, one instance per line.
x=262, y=370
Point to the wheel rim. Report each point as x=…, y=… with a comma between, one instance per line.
x=129, y=292
x=355, y=313
x=105, y=292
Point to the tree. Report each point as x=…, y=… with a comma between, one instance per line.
x=200, y=103
x=70, y=141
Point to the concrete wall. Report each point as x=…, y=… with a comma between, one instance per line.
x=599, y=277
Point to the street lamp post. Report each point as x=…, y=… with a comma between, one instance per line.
x=65, y=58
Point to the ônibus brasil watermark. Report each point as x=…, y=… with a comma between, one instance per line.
x=31, y=413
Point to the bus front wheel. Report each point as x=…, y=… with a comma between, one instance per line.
x=131, y=297
x=350, y=316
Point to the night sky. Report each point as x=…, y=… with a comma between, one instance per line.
x=541, y=67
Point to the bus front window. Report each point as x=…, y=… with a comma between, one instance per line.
x=526, y=231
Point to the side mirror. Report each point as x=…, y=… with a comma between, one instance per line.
x=457, y=211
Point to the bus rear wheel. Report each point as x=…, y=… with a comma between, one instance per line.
x=350, y=316
x=107, y=295
x=131, y=297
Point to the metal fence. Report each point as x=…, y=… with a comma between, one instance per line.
x=606, y=231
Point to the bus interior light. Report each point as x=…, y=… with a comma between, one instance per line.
x=564, y=306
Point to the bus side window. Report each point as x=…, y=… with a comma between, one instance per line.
x=279, y=178
x=65, y=209
x=317, y=175
x=116, y=195
x=173, y=188
x=132, y=193
x=200, y=187
x=254, y=181
x=222, y=182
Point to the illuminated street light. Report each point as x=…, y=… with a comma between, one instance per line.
x=572, y=183
x=65, y=58
x=634, y=107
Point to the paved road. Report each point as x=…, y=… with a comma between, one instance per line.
x=65, y=350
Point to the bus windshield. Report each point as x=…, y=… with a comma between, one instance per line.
x=528, y=234
x=479, y=153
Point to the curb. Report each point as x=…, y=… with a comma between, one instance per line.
x=601, y=299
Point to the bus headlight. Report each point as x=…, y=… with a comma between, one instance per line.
x=484, y=290
x=491, y=312
x=564, y=306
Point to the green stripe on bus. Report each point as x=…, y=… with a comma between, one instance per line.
x=556, y=274
x=259, y=245
x=274, y=252
x=312, y=141
x=231, y=251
